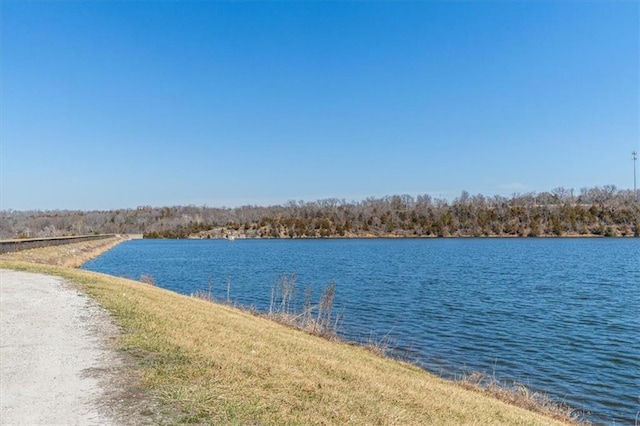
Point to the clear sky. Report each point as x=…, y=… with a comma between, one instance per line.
x=114, y=104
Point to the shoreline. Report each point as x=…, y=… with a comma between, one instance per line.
x=81, y=255
x=402, y=237
x=266, y=366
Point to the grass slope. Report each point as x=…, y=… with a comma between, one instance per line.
x=71, y=255
x=213, y=364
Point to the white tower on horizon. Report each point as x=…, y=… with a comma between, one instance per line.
x=635, y=159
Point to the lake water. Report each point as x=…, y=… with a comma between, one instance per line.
x=558, y=315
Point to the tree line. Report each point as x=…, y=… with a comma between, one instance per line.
x=599, y=211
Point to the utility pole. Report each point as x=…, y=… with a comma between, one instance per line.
x=635, y=159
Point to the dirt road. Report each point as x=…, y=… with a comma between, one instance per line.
x=55, y=360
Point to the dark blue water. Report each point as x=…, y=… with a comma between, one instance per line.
x=559, y=315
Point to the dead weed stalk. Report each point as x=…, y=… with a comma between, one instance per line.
x=520, y=395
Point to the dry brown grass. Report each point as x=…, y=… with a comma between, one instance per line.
x=215, y=364
x=520, y=395
x=70, y=255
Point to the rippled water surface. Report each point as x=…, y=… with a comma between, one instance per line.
x=559, y=315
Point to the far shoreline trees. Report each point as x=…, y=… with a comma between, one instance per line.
x=599, y=211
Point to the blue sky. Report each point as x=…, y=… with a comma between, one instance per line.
x=113, y=104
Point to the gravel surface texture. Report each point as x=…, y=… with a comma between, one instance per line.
x=57, y=363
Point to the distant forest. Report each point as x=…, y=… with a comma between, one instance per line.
x=599, y=211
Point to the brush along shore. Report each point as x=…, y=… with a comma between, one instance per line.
x=214, y=364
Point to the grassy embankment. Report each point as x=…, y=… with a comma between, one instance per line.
x=214, y=364
x=69, y=255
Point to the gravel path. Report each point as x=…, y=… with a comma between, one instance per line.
x=55, y=359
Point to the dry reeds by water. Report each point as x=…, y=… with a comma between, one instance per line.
x=147, y=279
x=315, y=318
x=318, y=319
x=520, y=395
